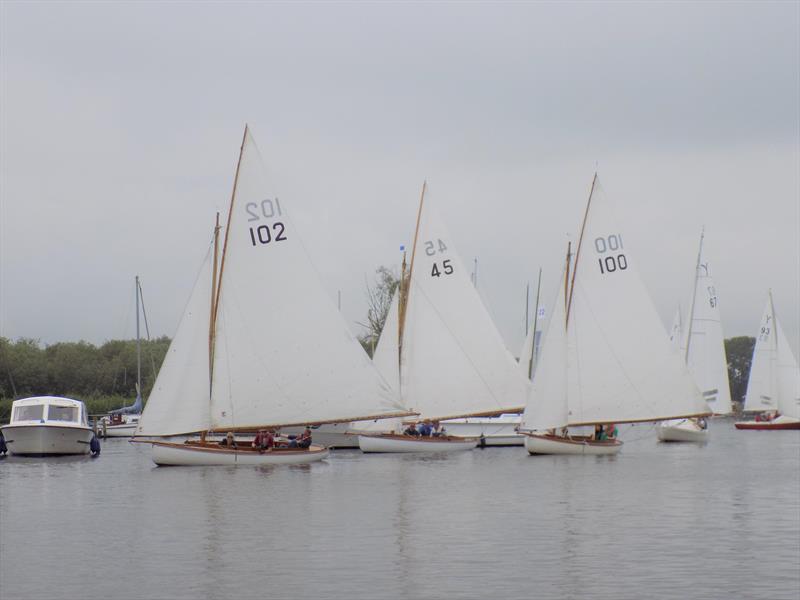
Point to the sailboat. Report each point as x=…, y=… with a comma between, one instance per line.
x=773, y=387
x=704, y=354
x=259, y=346
x=605, y=358
x=123, y=421
x=440, y=348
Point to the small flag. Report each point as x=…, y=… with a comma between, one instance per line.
x=402, y=247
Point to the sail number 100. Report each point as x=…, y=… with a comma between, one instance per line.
x=610, y=262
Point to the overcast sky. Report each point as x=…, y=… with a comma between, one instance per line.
x=121, y=124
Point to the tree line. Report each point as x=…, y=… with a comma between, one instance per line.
x=77, y=369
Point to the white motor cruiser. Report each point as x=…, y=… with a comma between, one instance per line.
x=48, y=425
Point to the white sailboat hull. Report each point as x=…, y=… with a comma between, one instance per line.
x=681, y=430
x=495, y=431
x=402, y=443
x=47, y=439
x=187, y=455
x=124, y=430
x=548, y=444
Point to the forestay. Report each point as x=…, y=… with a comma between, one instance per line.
x=180, y=399
x=283, y=352
x=454, y=362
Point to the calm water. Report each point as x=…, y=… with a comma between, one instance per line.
x=657, y=521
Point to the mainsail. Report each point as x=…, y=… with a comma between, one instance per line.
x=705, y=342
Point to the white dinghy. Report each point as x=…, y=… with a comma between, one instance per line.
x=773, y=389
x=48, y=426
x=246, y=357
x=605, y=358
x=440, y=348
x=703, y=350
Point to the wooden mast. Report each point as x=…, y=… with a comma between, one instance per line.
x=212, y=324
x=580, y=241
x=405, y=283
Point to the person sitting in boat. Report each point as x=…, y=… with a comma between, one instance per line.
x=609, y=432
x=425, y=429
x=228, y=440
x=264, y=440
x=438, y=430
x=304, y=441
x=411, y=430
x=598, y=432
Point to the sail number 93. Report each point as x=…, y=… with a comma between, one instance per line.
x=610, y=247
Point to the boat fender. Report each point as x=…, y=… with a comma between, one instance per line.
x=3, y=447
x=482, y=441
x=94, y=446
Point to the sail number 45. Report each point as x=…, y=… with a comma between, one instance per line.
x=614, y=260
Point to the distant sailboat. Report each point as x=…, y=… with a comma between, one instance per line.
x=260, y=346
x=123, y=421
x=440, y=348
x=773, y=387
x=605, y=358
x=704, y=353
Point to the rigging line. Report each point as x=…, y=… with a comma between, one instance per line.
x=460, y=347
x=144, y=313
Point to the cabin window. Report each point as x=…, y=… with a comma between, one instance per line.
x=62, y=413
x=33, y=412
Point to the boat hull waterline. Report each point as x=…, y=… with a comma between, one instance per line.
x=196, y=454
x=551, y=444
x=681, y=430
x=403, y=443
x=47, y=440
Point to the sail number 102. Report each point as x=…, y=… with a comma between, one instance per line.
x=266, y=209
x=612, y=260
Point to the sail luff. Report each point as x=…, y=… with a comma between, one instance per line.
x=535, y=322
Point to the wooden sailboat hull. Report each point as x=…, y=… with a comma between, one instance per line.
x=390, y=442
x=551, y=444
x=197, y=454
x=779, y=423
x=681, y=430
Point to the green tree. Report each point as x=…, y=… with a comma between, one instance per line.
x=739, y=351
x=379, y=299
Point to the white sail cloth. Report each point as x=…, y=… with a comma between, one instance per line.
x=454, y=362
x=705, y=341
